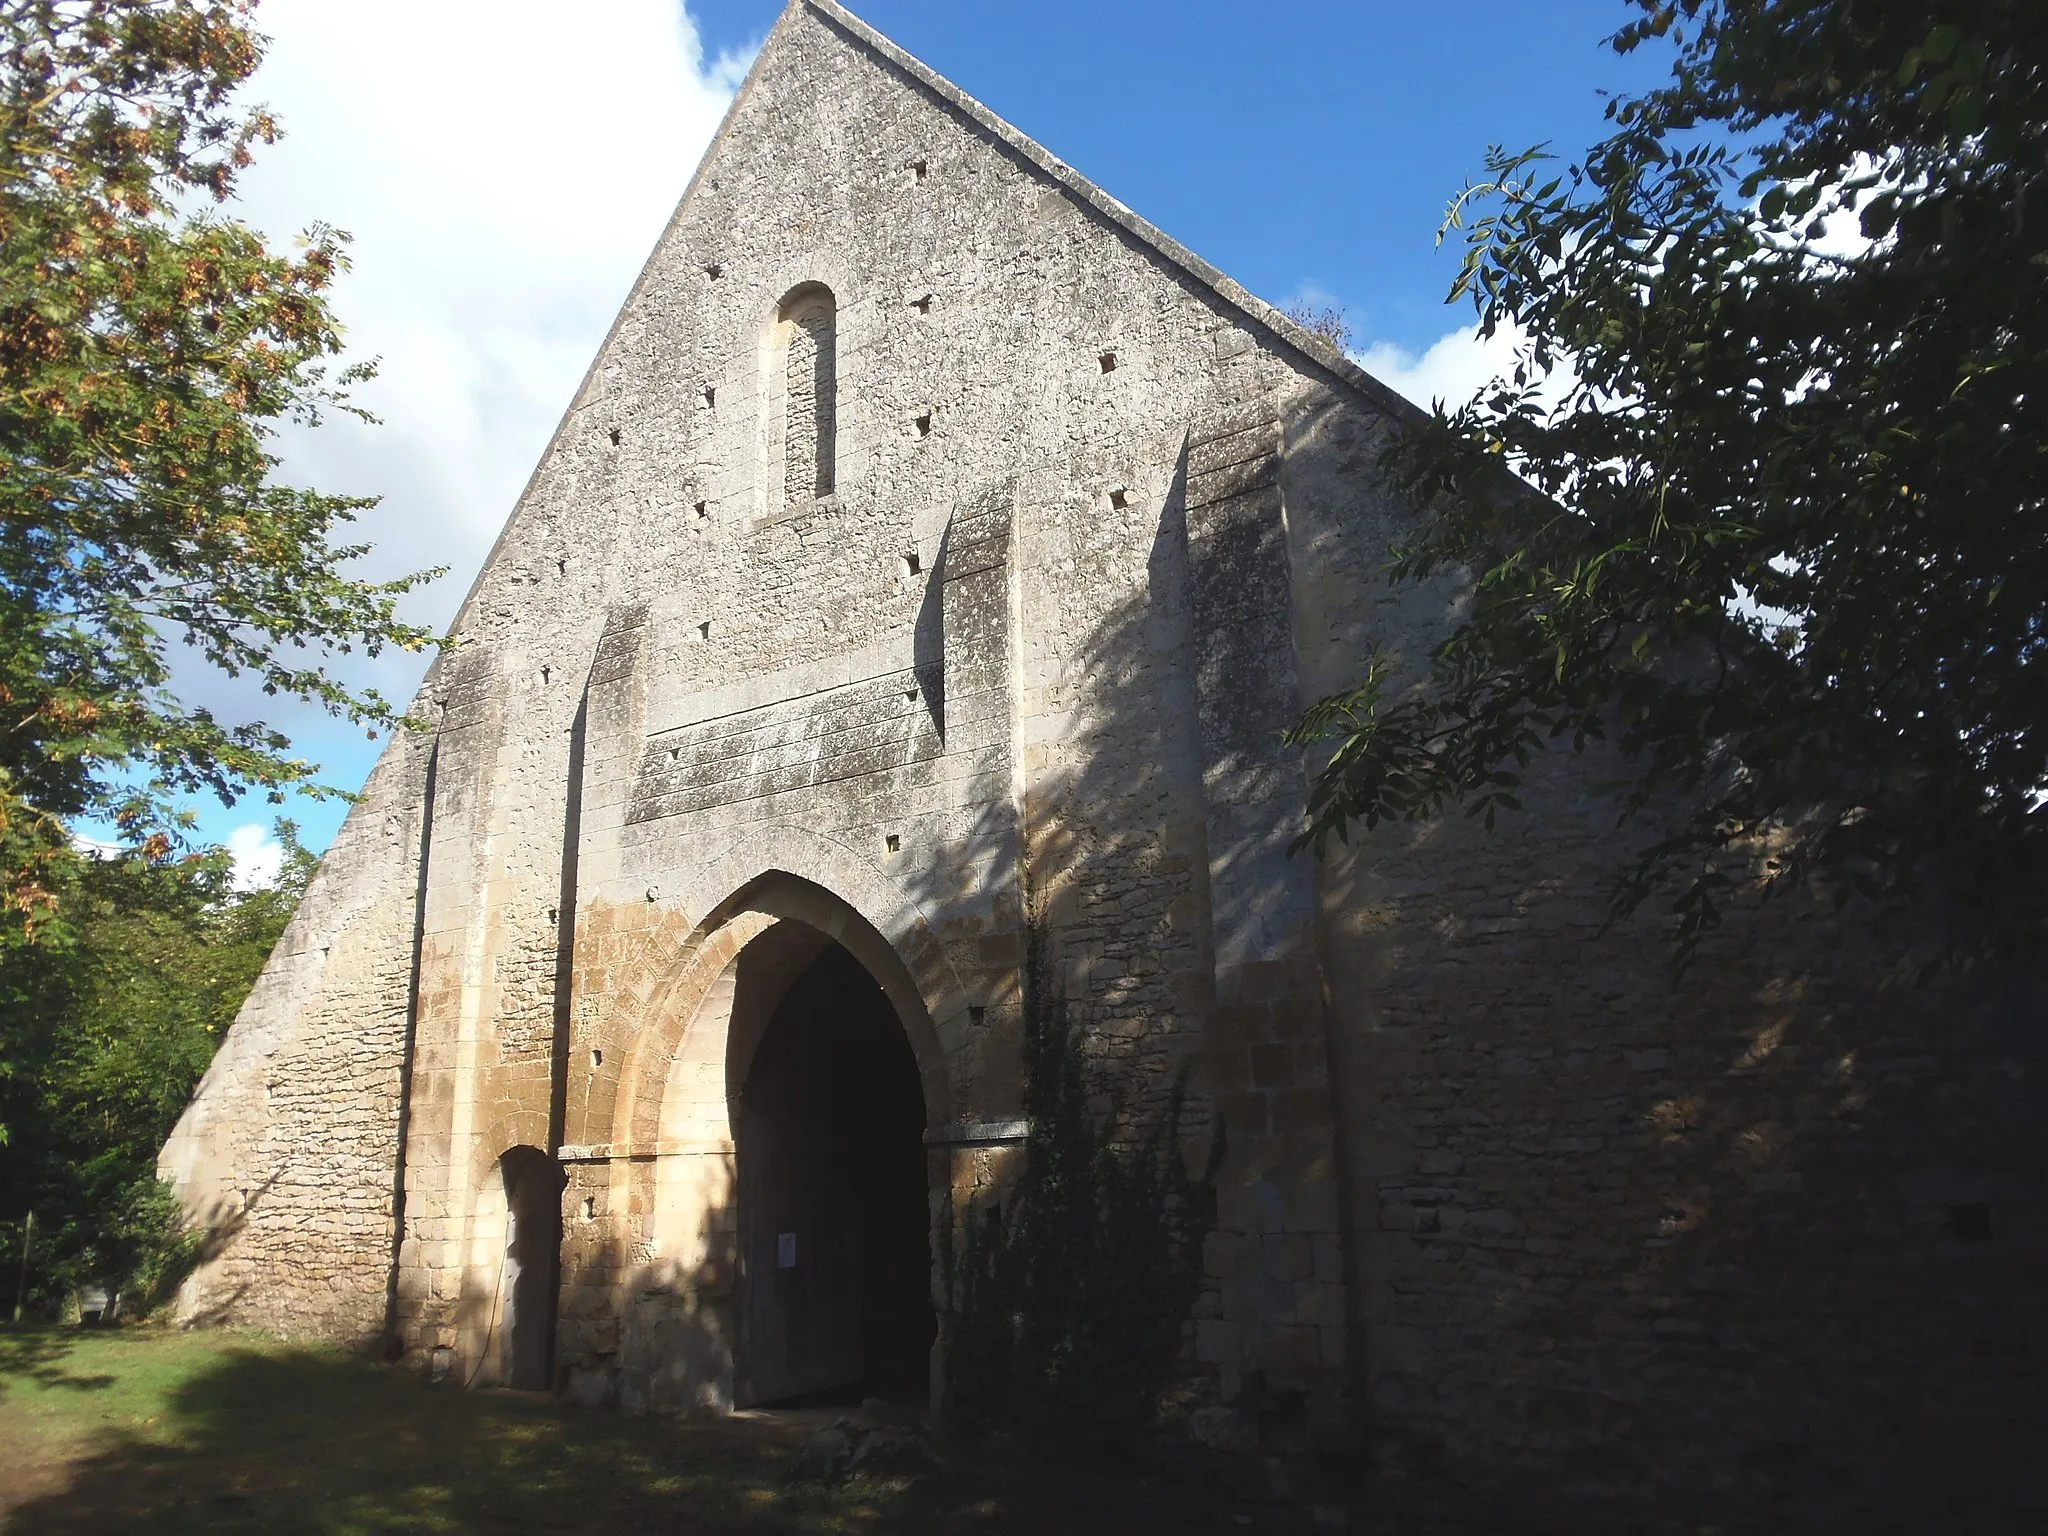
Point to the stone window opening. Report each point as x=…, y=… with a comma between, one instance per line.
x=1108, y=362
x=920, y=168
x=923, y=424
x=923, y=306
x=617, y=435
x=806, y=378
x=911, y=564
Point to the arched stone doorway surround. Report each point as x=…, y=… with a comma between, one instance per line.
x=651, y=1203
x=489, y=1270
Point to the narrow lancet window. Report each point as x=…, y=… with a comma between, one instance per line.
x=810, y=394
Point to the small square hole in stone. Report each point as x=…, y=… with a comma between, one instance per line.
x=590, y=1207
x=675, y=754
x=596, y=1059
x=976, y=1014
x=924, y=424
x=893, y=843
x=714, y=271
x=911, y=564
x=617, y=435
x=1108, y=361
x=923, y=306
x=545, y=674
x=704, y=630
x=1119, y=499
x=711, y=397
x=703, y=510
x=920, y=169
x=910, y=695
x=1970, y=1223
x=554, y=914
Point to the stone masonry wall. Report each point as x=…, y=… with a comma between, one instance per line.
x=289, y=1152
x=1758, y=1247
x=1001, y=613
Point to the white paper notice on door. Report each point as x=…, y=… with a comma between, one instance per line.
x=785, y=1250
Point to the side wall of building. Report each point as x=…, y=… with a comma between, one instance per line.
x=1762, y=1240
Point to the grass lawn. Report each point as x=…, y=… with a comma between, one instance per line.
x=139, y=1429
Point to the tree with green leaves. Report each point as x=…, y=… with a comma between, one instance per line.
x=150, y=349
x=106, y=1025
x=1762, y=500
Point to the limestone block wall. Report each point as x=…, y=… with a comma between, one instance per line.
x=288, y=1154
x=1762, y=1241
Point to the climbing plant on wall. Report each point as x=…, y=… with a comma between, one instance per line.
x=1069, y=1304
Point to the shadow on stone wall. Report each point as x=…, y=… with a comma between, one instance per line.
x=217, y=1226
x=1760, y=1242
x=1761, y=1246
x=641, y=1331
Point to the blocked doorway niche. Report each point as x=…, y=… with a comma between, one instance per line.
x=531, y=1275
x=834, y=1216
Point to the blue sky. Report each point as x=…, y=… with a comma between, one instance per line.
x=1297, y=143
x=504, y=175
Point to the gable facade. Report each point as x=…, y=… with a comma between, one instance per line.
x=935, y=547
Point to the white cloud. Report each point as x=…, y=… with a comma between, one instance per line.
x=505, y=166
x=1453, y=369
x=258, y=856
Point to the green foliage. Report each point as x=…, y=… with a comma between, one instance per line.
x=1782, y=386
x=149, y=350
x=1066, y=1315
x=105, y=1028
x=1327, y=322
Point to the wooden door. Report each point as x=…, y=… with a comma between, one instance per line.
x=800, y=1290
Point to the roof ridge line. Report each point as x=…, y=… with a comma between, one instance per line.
x=1226, y=288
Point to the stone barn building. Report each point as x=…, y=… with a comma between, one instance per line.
x=935, y=545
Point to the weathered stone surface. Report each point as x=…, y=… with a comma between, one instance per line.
x=858, y=601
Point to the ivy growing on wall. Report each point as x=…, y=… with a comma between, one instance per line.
x=1068, y=1305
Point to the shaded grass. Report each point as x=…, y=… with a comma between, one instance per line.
x=145, y=1430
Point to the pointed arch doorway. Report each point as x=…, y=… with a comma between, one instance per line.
x=833, y=1207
